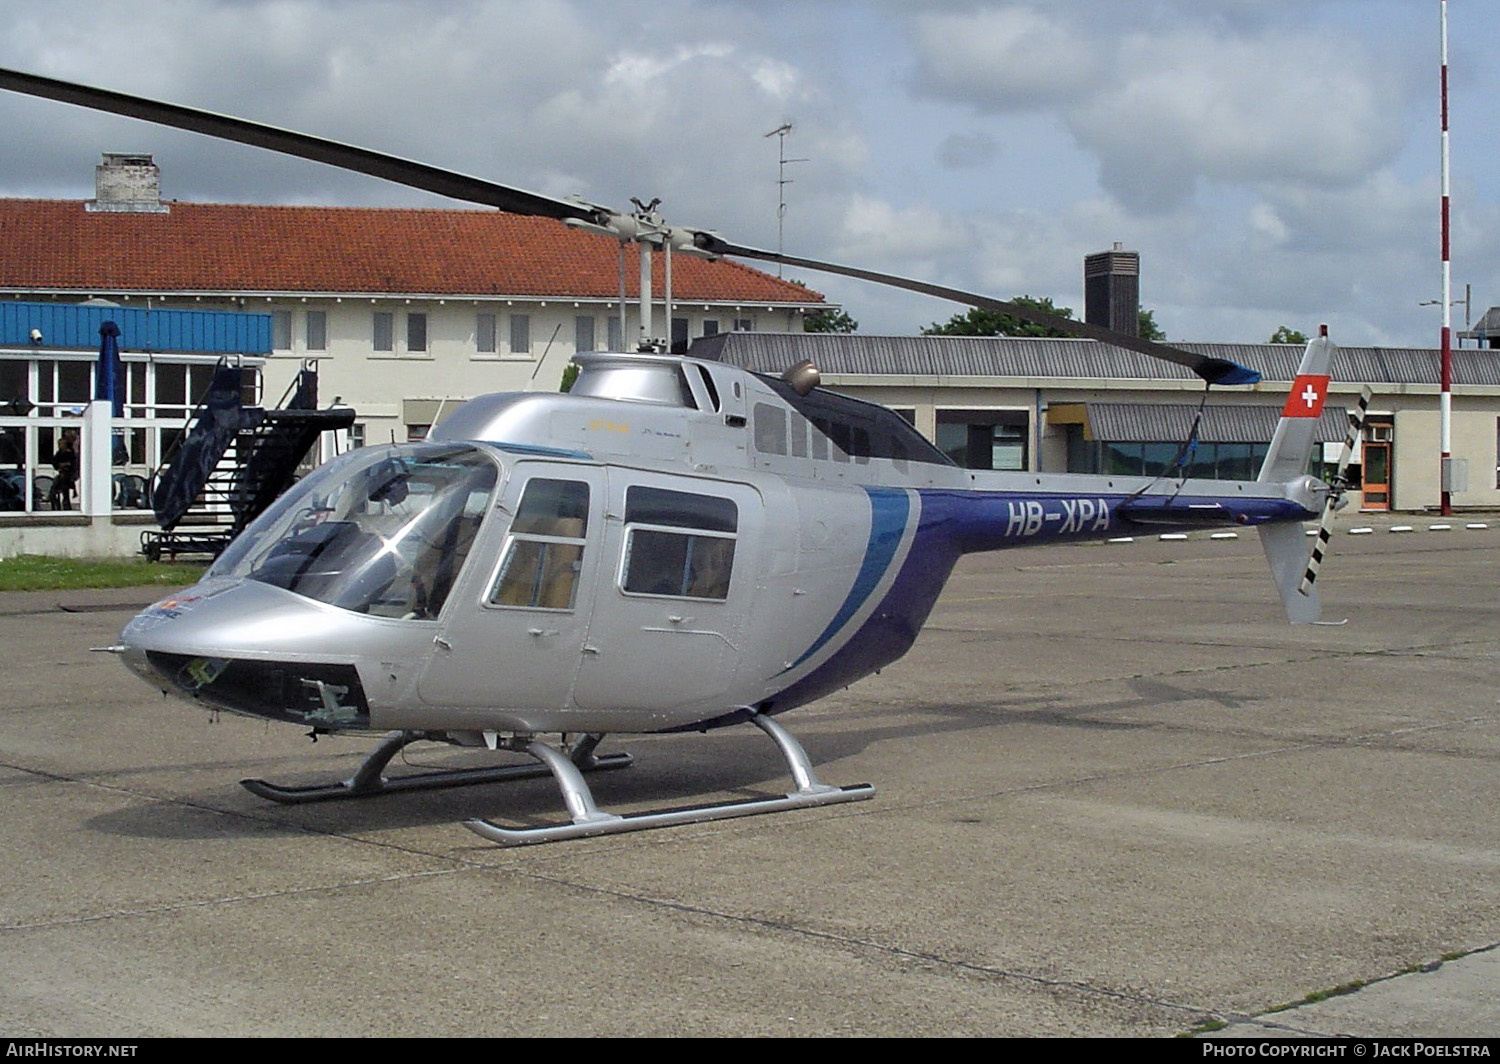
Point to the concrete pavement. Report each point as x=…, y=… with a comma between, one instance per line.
x=1117, y=795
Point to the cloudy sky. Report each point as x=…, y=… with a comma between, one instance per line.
x=1274, y=161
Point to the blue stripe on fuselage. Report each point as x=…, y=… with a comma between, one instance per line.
x=889, y=511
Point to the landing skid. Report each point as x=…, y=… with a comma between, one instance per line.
x=588, y=820
x=368, y=780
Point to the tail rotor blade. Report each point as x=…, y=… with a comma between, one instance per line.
x=1336, y=492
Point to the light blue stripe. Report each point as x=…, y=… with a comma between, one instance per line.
x=541, y=450
x=889, y=508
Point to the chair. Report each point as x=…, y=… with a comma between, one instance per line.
x=130, y=492
x=41, y=491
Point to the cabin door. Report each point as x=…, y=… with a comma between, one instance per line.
x=513, y=639
x=676, y=585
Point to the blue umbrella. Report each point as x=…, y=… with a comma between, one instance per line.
x=109, y=382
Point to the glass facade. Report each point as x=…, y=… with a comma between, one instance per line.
x=42, y=402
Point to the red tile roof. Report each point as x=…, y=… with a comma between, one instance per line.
x=49, y=245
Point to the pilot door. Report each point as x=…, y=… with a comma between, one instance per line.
x=673, y=596
x=513, y=641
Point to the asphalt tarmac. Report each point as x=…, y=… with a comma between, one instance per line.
x=1116, y=795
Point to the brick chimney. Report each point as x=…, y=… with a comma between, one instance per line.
x=127, y=182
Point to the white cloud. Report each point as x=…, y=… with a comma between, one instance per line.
x=1005, y=58
x=1166, y=107
x=963, y=151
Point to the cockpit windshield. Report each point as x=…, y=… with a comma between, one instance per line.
x=383, y=531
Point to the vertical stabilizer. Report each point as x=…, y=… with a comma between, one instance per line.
x=1291, y=449
x=1292, y=445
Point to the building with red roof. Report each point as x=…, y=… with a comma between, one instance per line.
x=407, y=310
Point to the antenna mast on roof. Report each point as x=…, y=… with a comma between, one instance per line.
x=782, y=181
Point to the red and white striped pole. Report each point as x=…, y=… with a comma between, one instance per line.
x=1445, y=400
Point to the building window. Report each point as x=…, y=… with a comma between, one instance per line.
x=710, y=327
x=520, y=334
x=385, y=331
x=317, y=330
x=416, y=331
x=281, y=330
x=744, y=324
x=616, y=334
x=984, y=439
x=583, y=333
x=484, y=334
x=356, y=435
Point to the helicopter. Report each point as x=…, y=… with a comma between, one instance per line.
x=676, y=544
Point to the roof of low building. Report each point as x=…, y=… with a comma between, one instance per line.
x=60, y=245
x=852, y=354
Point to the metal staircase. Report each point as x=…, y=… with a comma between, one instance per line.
x=232, y=462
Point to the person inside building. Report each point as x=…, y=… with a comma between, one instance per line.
x=65, y=461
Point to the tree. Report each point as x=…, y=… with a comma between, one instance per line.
x=570, y=374
x=828, y=321
x=1283, y=335
x=1148, y=329
x=980, y=322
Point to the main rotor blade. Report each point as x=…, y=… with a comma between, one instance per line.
x=1213, y=370
x=518, y=201
x=345, y=156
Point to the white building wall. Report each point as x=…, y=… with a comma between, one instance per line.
x=389, y=388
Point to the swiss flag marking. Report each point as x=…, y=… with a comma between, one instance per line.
x=1306, y=400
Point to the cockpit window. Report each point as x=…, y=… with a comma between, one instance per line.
x=383, y=531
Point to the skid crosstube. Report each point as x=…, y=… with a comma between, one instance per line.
x=368, y=781
x=589, y=820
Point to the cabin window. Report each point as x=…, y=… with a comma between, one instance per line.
x=544, y=557
x=819, y=439
x=678, y=544
x=770, y=429
x=708, y=384
x=797, y=436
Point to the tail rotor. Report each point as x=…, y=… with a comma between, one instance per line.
x=1337, y=488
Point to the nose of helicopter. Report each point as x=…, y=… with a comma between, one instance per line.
x=246, y=648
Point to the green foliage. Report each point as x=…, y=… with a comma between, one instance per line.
x=829, y=321
x=570, y=374
x=1148, y=329
x=980, y=322
x=1283, y=335
x=35, y=572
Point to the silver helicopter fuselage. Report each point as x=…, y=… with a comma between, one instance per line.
x=674, y=544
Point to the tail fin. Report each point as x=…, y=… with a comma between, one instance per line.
x=1292, y=444
x=1291, y=449
x=1286, y=549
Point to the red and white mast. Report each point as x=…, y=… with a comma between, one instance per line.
x=1445, y=399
